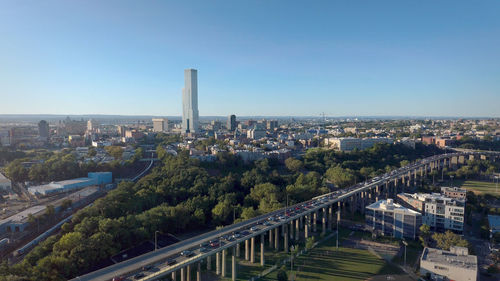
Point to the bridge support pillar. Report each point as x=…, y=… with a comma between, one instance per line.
x=330, y=217
x=277, y=238
x=270, y=238
x=233, y=265
x=217, y=263
x=238, y=252
x=188, y=272
x=252, y=249
x=247, y=250
x=174, y=275
x=306, y=227
x=285, y=241
x=198, y=272
x=297, y=230
x=223, y=270
x=315, y=219
x=209, y=263
x=183, y=273
x=262, y=261
x=323, y=230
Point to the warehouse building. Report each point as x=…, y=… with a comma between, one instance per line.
x=98, y=178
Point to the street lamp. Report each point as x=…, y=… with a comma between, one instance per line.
x=338, y=231
x=496, y=188
x=156, y=239
x=406, y=244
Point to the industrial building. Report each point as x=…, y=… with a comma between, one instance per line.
x=97, y=178
x=455, y=264
x=19, y=221
x=391, y=219
x=5, y=183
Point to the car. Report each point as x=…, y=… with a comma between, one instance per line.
x=270, y=219
x=186, y=253
x=214, y=243
x=147, y=267
x=230, y=238
x=245, y=233
x=236, y=235
x=266, y=223
x=204, y=245
x=204, y=250
x=254, y=228
x=139, y=275
x=118, y=278
x=170, y=262
x=282, y=218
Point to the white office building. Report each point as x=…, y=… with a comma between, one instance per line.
x=190, y=101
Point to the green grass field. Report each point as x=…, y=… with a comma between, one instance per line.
x=325, y=262
x=482, y=187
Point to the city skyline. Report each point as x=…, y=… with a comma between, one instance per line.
x=379, y=59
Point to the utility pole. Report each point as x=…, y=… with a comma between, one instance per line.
x=156, y=239
x=406, y=244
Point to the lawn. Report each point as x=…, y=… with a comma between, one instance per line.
x=325, y=262
x=482, y=187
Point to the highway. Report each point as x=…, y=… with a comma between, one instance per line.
x=154, y=264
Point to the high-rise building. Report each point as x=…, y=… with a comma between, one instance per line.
x=43, y=130
x=190, y=101
x=160, y=125
x=231, y=122
x=92, y=126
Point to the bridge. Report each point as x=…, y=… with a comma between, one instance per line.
x=185, y=258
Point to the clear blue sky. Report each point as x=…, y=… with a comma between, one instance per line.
x=425, y=58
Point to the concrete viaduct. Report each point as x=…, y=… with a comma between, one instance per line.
x=279, y=228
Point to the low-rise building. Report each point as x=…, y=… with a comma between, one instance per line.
x=5, y=183
x=454, y=192
x=494, y=223
x=455, y=264
x=391, y=219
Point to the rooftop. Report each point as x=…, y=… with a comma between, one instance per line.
x=2, y=177
x=494, y=222
x=19, y=217
x=449, y=258
x=389, y=205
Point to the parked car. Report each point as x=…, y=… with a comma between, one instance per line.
x=186, y=253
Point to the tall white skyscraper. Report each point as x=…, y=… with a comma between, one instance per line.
x=190, y=101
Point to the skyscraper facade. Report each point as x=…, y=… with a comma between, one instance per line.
x=43, y=129
x=231, y=122
x=190, y=101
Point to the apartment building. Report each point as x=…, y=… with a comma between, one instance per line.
x=391, y=219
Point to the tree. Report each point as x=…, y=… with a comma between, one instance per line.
x=404, y=163
x=310, y=243
x=340, y=177
x=115, y=151
x=293, y=164
x=281, y=275
x=425, y=235
x=446, y=240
